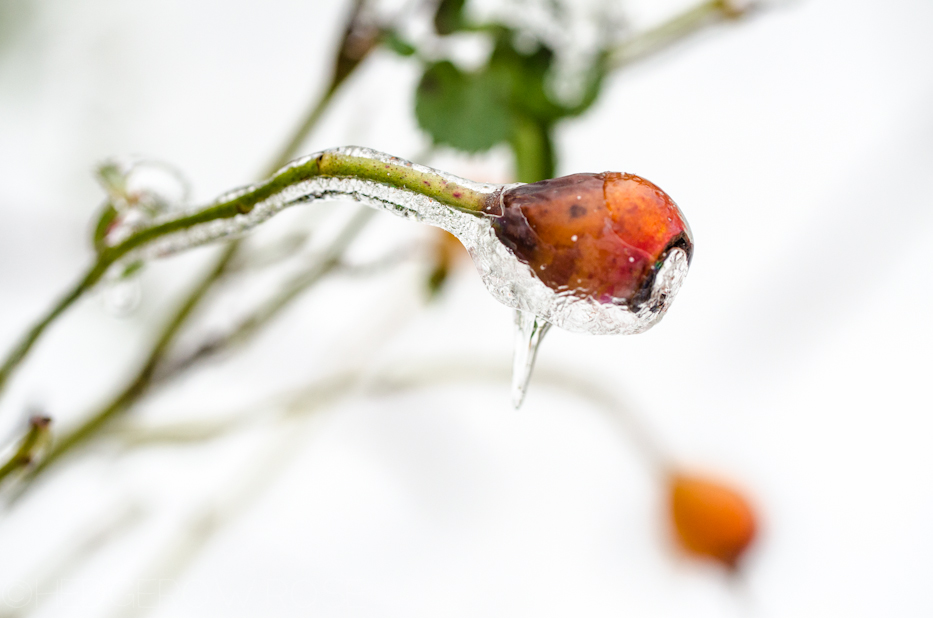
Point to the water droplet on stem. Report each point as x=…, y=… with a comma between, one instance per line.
x=122, y=297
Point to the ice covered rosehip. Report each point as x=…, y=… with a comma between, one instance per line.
x=603, y=236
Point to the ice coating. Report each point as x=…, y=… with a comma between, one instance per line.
x=510, y=280
x=596, y=235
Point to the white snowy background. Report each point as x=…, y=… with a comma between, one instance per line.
x=795, y=362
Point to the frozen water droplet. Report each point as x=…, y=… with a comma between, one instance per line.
x=140, y=190
x=529, y=331
x=122, y=297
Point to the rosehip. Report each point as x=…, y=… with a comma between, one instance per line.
x=710, y=520
x=603, y=236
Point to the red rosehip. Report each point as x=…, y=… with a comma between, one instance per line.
x=710, y=519
x=603, y=236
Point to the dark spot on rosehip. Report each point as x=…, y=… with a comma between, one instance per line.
x=577, y=211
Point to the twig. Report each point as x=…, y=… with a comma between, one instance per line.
x=142, y=381
x=276, y=192
x=29, y=446
x=359, y=39
x=560, y=378
x=348, y=59
x=325, y=263
x=675, y=29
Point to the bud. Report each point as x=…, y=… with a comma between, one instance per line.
x=710, y=519
x=602, y=236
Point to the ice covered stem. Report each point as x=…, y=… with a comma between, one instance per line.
x=627, y=253
x=358, y=173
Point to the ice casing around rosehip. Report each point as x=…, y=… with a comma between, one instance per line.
x=611, y=244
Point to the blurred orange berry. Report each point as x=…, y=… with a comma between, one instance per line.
x=711, y=520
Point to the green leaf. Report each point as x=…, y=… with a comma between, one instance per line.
x=525, y=75
x=449, y=16
x=393, y=41
x=105, y=219
x=131, y=269
x=468, y=111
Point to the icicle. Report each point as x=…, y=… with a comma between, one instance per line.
x=529, y=331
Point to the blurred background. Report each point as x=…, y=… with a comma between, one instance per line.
x=359, y=455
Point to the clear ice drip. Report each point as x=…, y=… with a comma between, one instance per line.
x=510, y=281
x=529, y=331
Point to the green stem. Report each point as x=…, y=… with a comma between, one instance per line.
x=143, y=378
x=19, y=351
x=310, y=120
x=274, y=306
x=393, y=173
x=674, y=30
x=533, y=147
x=28, y=446
x=350, y=55
x=358, y=40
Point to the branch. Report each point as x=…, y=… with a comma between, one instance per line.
x=33, y=442
x=301, y=282
x=676, y=29
x=247, y=207
x=350, y=55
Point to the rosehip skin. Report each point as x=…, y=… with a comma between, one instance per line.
x=603, y=236
x=711, y=520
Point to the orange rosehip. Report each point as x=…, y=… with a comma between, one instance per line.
x=603, y=236
x=710, y=519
